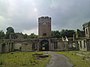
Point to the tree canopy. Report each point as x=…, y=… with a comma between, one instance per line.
x=10, y=31
x=32, y=35
x=55, y=34
x=68, y=33
x=63, y=33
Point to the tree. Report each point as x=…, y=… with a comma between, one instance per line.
x=2, y=34
x=63, y=33
x=25, y=36
x=10, y=31
x=68, y=33
x=32, y=35
x=55, y=34
x=20, y=35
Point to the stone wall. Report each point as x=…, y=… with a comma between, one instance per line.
x=88, y=44
x=82, y=45
x=54, y=44
x=26, y=47
x=6, y=46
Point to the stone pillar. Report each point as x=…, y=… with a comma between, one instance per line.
x=38, y=44
x=0, y=48
x=50, y=46
x=66, y=45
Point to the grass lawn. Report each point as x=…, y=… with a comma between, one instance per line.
x=22, y=59
x=77, y=58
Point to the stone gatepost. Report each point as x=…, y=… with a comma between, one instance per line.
x=0, y=48
x=66, y=45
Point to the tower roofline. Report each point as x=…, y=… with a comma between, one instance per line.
x=44, y=17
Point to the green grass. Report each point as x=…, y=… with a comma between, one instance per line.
x=78, y=59
x=22, y=59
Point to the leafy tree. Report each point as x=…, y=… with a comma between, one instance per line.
x=55, y=34
x=25, y=36
x=19, y=35
x=32, y=35
x=2, y=34
x=10, y=31
x=62, y=33
x=68, y=33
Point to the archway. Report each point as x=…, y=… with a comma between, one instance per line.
x=44, y=45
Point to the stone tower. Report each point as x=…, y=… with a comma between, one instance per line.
x=44, y=26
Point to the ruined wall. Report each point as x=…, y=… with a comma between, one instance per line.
x=88, y=44
x=82, y=45
x=17, y=46
x=61, y=45
x=26, y=46
x=6, y=46
x=54, y=44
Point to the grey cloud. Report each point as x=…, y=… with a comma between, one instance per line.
x=69, y=14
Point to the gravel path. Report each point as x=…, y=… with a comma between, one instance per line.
x=58, y=60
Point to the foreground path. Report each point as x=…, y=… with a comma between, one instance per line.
x=58, y=60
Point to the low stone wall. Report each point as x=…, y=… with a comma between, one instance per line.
x=33, y=45
x=26, y=47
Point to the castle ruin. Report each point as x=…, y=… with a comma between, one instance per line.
x=45, y=42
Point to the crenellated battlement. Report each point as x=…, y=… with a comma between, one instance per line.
x=45, y=19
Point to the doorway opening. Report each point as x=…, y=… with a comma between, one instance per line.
x=44, y=45
x=3, y=48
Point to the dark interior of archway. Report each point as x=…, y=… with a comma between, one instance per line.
x=44, y=45
x=33, y=47
x=12, y=47
x=3, y=47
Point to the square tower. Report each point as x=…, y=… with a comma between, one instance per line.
x=44, y=26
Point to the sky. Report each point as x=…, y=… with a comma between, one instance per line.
x=23, y=15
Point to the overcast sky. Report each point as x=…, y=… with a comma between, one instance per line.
x=22, y=15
